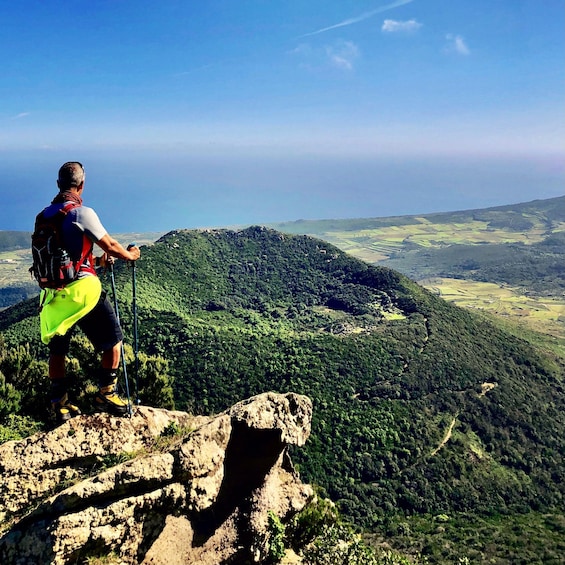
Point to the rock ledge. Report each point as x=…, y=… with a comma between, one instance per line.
x=121, y=488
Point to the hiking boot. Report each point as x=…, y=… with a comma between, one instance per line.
x=64, y=410
x=108, y=400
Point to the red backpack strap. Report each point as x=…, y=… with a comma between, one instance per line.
x=86, y=253
x=68, y=207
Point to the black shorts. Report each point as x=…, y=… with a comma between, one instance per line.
x=100, y=326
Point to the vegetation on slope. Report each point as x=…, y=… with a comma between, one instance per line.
x=421, y=408
x=14, y=240
x=528, y=222
x=537, y=269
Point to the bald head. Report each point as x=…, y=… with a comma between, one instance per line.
x=71, y=175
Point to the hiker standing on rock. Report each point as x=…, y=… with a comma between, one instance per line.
x=72, y=294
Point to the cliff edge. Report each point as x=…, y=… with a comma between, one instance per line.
x=160, y=487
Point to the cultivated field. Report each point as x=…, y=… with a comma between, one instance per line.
x=378, y=244
x=14, y=267
x=545, y=315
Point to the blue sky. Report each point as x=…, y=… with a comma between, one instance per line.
x=220, y=113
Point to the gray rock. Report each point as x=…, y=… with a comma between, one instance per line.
x=105, y=486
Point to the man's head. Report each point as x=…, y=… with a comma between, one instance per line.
x=71, y=175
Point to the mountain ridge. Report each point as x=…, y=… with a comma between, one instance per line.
x=545, y=209
x=407, y=243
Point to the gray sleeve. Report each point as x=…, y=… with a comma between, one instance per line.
x=88, y=222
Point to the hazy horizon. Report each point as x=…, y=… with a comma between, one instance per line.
x=149, y=196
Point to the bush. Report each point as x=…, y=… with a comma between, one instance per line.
x=17, y=427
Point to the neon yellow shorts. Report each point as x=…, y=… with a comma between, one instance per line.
x=61, y=309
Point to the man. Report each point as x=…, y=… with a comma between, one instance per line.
x=82, y=303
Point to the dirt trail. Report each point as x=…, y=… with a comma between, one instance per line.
x=446, y=438
x=485, y=388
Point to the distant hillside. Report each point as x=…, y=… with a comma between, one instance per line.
x=379, y=239
x=538, y=269
x=544, y=215
x=10, y=240
x=532, y=257
x=421, y=409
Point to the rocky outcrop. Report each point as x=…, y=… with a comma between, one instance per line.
x=160, y=487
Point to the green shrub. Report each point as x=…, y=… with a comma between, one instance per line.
x=17, y=427
x=276, y=538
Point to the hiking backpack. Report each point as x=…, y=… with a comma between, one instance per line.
x=52, y=265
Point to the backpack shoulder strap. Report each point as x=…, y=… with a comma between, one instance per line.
x=58, y=216
x=67, y=208
x=86, y=252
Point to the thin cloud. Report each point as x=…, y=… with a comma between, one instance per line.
x=394, y=26
x=305, y=54
x=302, y=49
x=21, y=115
x=340, y=55
x=343, y=55
x=360, y=18
x=457, y=44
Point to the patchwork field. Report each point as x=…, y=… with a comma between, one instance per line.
x=14, y=267
x=545, y=315
x=381, y=243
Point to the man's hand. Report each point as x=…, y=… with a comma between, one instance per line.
x=114, y=249
x=105, y=261
x=135, y=252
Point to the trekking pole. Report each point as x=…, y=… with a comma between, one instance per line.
x=135, y=334
x=113, y=280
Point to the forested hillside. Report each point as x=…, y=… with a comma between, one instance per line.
x=541, y=215
x=422, y=411
x=14, y=240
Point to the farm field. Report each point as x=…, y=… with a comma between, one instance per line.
x=14, y=267
x=379, y=244
x=545, y=315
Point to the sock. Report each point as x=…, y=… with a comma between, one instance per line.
x=107, y=377
x=59, y=387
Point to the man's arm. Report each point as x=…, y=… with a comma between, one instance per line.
x=88, y=222
x=113, y=248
